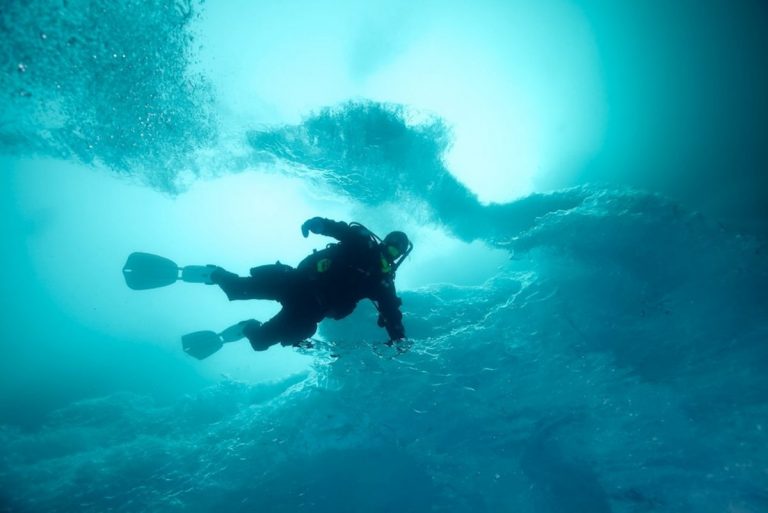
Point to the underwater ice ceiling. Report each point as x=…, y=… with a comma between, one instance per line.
x=128, y=87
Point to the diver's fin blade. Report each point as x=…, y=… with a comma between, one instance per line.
x=201, y=344
x=147, y=271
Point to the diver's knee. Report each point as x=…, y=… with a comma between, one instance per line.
x=260, y=345
x=255, y=335
x=300, y=336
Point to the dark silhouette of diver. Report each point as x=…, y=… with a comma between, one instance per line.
x=327, y=284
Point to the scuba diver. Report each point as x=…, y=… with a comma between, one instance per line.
x=327, y=284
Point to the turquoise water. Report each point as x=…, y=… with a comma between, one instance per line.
x=585, y=304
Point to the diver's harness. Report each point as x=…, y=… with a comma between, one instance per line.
x=324, y=264
x=386, y=267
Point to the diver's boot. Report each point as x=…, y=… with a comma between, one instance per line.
x=220, y=275
x=252, y=331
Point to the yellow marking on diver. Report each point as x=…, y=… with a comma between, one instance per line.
x=323, y=265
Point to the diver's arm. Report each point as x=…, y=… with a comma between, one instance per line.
x=390, y=316
x=337, y=229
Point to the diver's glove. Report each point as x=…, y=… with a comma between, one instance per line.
x=313, y=225
x=401, y=345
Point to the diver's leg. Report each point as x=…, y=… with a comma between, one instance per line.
x=288, y=326
x=266, y=282
x=234, y=286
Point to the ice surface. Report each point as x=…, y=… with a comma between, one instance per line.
x=615, y=365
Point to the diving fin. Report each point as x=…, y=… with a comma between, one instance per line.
x=202, y=344
x=147, y=271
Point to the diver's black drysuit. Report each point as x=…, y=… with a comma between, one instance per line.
x=328, y=283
